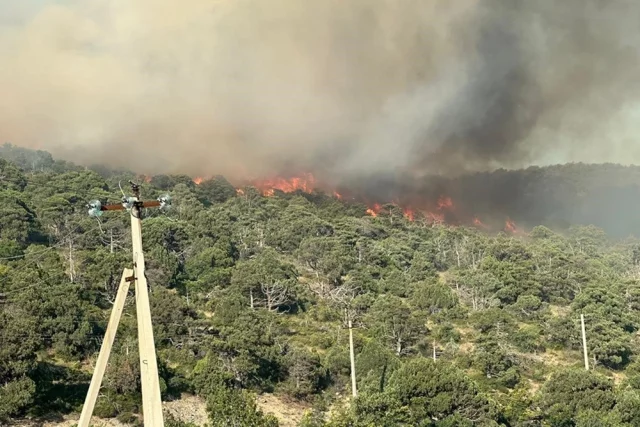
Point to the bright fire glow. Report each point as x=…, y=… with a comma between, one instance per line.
x=478, y=223
x=304, y=183
x=409, y=214
x=438, y=214
x=374, y=210
x=445, y=203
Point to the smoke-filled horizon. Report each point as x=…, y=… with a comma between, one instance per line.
x=340, y=88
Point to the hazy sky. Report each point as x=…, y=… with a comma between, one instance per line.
x=254, y=87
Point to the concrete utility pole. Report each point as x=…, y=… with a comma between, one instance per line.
x=151, y=403
x=584, y=343
x=352, y=357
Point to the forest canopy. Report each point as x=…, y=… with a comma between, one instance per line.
x=254, y=293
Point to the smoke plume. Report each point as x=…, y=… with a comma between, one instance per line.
x=338, y=87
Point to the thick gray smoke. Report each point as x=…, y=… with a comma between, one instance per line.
x=341, y=87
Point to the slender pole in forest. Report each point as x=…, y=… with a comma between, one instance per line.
x=354, y=390
x=151, y=401
x=584, y=343
x=434, y=350
x=344, y=296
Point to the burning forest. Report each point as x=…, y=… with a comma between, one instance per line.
x=512, y=201
x=440, y=209
x=408, y=170
x=263, y=272
x=418, y=105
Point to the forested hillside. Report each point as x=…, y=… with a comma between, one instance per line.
x=253, y=294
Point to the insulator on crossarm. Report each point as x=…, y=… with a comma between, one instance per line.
x=127, y=202
x=165, y=202
x=95, y=208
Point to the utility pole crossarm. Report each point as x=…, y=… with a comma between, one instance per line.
x=121, y=207
x=96, y=208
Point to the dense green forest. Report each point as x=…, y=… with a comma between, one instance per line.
x=253, y=294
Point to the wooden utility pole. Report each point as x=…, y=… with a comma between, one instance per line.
x=151, y=402
x=584, y=343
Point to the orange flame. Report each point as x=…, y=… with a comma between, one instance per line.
x=478, y=223
x=409, y=214
x=304, y=183
x=445, y=203
x=374, y=210
x=436, y=213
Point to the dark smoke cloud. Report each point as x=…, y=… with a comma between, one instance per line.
x=343, y=88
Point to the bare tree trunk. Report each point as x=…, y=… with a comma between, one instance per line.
x=251, y=298
x=434, y=350
x=399, y=346
x=354, y=389
x=276, y=295
x=269, y=303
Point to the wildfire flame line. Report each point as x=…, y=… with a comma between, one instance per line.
x=307, y=184
x=510, y=226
